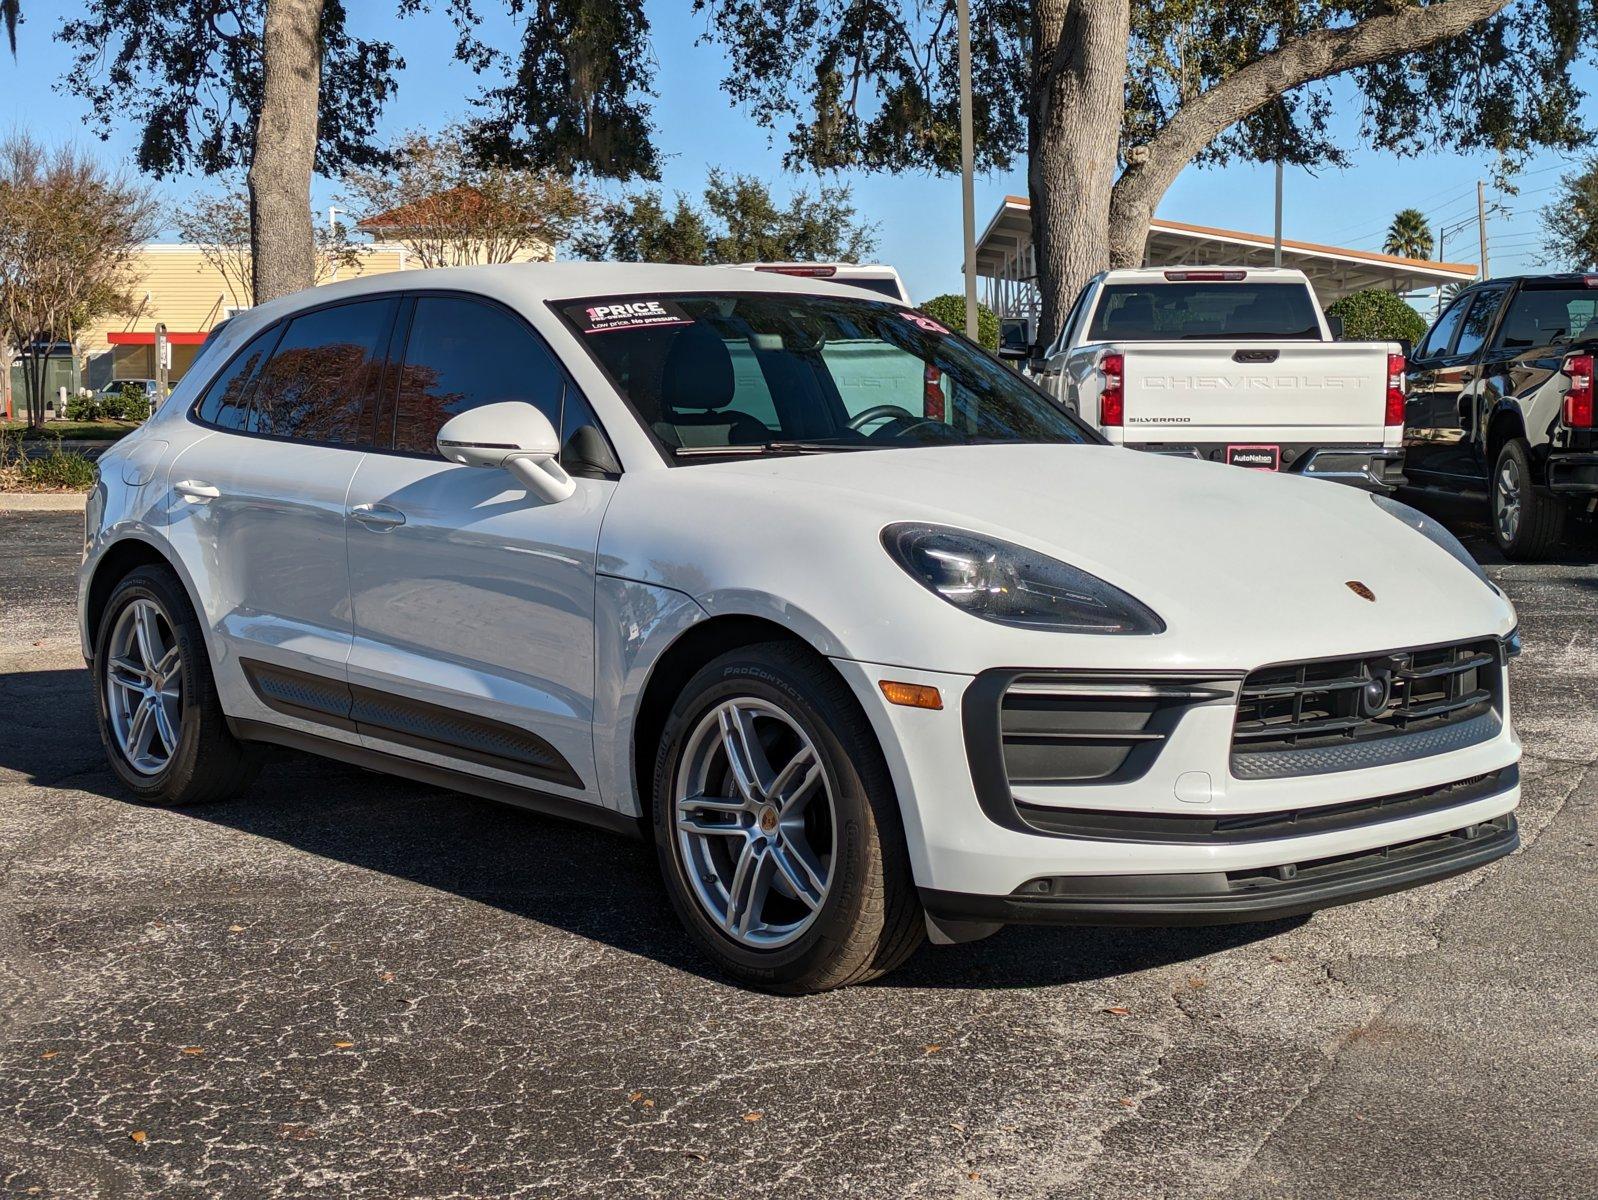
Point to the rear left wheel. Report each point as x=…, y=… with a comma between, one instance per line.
x=1527, y=521
x=160, y=720
x=777, y=825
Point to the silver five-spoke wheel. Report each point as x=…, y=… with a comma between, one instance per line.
x=1507, y=499
x=144, y=687
x=755, y=822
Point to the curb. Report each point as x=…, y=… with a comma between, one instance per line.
x=42, y=501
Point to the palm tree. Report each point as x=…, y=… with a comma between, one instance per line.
x=10, y=12
x=1409, y=236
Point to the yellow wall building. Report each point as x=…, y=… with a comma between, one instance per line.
x=190, y=295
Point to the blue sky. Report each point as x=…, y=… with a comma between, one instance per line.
x=918, y=215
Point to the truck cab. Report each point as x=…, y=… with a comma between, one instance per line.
x=1500, y=406
x=1235, y=365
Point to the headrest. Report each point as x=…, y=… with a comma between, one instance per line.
x=697, y=375
x=1136, y=313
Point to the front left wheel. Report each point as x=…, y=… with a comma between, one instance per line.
x=160, y=720
x=778, y=828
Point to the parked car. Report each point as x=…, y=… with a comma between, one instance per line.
x=864, y=672
x=114, y=388
x=1501, y=406
x=874, y=277
x=1232, y=365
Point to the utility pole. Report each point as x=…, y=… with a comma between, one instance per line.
x=1276, y=257
x=1481, y=225
x=968, y=201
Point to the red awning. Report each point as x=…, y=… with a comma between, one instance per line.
x=148, y=339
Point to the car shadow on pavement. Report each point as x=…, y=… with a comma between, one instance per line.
x=590, y=883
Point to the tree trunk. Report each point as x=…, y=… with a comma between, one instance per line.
x=1316, y=55
x=1074, y=132
x=33, y=366
x=283, y=247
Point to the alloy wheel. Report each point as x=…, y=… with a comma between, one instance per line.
x=1507, y=500
x=144, y=687
x=755, y=822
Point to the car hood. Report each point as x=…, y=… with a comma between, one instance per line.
x=1244, y=567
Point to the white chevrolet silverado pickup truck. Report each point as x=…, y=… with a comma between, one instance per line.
x=1233, y=365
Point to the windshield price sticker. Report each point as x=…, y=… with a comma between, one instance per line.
x=631, y=314
x=924, y=323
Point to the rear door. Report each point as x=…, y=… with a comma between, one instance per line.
x=473, y=601
x=260, y=504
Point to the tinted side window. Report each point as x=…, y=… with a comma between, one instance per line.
x=322, y=380
x=1442, y=333
x=462, y=354
x=1473, y=330
x=226, y=401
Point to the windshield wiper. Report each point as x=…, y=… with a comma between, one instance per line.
x=759, y=448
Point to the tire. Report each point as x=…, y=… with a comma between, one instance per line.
x=801, y=717
x=188, y=755
x=1528, y=522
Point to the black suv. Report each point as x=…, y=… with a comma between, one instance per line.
x=1501, y=405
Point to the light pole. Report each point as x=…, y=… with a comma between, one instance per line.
x=968, y=204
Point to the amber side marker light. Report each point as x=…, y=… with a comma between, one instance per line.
x=911, y=695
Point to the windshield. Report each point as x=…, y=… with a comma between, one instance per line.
x=723, y=374
x=1158, y=312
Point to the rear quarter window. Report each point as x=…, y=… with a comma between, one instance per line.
x=226, y=403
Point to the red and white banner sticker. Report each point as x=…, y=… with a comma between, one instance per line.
x=630, y=314
x=922, y=321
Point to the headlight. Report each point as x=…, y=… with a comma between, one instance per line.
x=1012, y=585
x=1434, y=533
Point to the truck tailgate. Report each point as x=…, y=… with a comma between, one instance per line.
x=1266, y=391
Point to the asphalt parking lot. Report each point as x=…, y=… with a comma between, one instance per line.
x=346, y=985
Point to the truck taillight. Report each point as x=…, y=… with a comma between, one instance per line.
x=1112, y=398
x=1578, y=397
x=1395, y=389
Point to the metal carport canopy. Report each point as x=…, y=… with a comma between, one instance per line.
x=1004, y=253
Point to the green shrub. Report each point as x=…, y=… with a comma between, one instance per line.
x=57, y=470
x=85, y=406
x=133, y=404
x=949, y=309
x=1378, y=316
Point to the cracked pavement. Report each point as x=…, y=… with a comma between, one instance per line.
x=347, y=985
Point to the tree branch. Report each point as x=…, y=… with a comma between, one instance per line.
x=1317, y=55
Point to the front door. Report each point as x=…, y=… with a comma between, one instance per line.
x=473, y=601
x=1439, y=449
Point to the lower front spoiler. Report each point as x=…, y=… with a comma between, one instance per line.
x=1225, y=898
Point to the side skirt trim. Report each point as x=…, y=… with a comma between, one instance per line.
x=562, y=807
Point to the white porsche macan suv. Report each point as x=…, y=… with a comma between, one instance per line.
x=871, y=638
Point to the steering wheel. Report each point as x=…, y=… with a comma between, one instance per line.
x=882, y=412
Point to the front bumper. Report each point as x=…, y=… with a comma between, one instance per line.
x=1222, y=898
x=976, y=864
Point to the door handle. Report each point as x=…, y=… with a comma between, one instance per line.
x=193, y=489
x=377, y=516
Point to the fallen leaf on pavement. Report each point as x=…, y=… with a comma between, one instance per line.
x=754, y=1116
x=1127, y=1102
x=235, y=929
x=342, y=1045
x=49, y=1054
x=193, y=1049
x=1116, y=1010
x=931, y=1048
x=138, y=1135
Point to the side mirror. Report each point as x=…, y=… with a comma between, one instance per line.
x=1335, y=324
x=511, y=435
x=1013, y=352
x=1406, y=348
